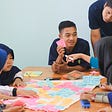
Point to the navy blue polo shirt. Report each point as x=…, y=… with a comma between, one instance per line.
x=82, y=46
x=96, y=19
x=7, y=77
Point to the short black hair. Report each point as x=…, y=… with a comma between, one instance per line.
x=65, y=24
x=109, y=3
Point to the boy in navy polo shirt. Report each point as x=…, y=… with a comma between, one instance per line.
x=70, y=44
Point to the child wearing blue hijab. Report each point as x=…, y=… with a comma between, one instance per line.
x=3, y=58
x=6, y=92
x=10, y=75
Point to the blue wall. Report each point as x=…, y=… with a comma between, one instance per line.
x=30, y=26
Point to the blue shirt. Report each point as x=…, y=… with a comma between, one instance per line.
x=94, y=62
x=82, y=46
x=96, y=19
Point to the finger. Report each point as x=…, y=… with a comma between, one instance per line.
x=17, y=85
x=101, y=110
x=20, y=84
x=24, y=84
x=13, y=84
x=64, y=62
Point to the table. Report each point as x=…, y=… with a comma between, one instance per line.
x=76, y=107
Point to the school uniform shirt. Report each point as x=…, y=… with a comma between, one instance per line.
x=103, y=50
x=7, y=78
x=82, y=46
x=96, y=20
x=101, y=97
x=6, y=90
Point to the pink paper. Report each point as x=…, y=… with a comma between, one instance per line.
x=18, y=103
x=61, y=43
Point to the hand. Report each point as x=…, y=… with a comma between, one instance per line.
x=6, y=97
x=73, y=56
x=87, y=96
x=61, y=68
x=18, y=82
x=60, y=51
x=106, y=87
x=14, y=109
x=26, y=93
x=107, y=109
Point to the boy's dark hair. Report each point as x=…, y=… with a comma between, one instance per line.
x=65, y=24
x=109, y=3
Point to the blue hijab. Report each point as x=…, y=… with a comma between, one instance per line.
x=3, y=58
x=7, y=77
x=7, y=49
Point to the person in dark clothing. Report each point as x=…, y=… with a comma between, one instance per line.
x=7, y=92
x=70, y=44
x=103, y=50
x=11, y=75
x=100, y=20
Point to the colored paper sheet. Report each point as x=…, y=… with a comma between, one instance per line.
x=54, y=96
x=61, y=42
x=33, y=73
x=91, y=80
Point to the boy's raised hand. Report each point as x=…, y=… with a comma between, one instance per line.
x=61, y=51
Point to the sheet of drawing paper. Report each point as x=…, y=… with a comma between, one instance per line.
x=54, y=95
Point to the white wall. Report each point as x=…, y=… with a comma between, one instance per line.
x=30, y=26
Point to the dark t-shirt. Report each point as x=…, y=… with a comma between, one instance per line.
x=82, y=46
x=7, y=78
x=96, y=20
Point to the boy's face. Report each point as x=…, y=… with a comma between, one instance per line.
x=70, y=36
x=107, y=14
x=9, y=63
